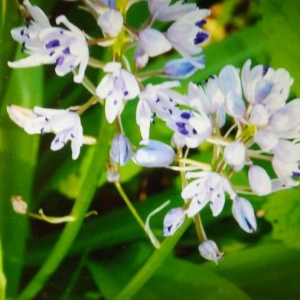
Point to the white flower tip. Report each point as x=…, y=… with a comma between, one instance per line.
x=259, y=181
x=173, y=220
x=209, y=250
x=243, y=212
x=20, y=115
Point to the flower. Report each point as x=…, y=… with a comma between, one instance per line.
x=209, y=250
x=209, y=187
x=156, y=154
x=120, y=151
x=182, y=68
x=157, y=101
x=151, y=43
x=163, y=11
x=116, y=87
x=51, y=45
x=235, y=155
x=173, y=220
x=190, y=128
x=185, y=34
x=243, y=212
x=259, y=181
x=111, y=22
x=64, y=123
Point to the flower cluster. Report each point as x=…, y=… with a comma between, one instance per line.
x=252, y=103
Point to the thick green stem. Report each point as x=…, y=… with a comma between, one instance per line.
x=89, y=185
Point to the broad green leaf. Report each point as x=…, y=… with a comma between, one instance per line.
x=283, y=211
x=280, y=26
x=18, y=160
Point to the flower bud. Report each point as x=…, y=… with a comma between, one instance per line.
x=120, y=151
x=173, y=220
x=19, y=205
x=182, y=68
x=243, y=212
x=111, y=22
x=156, y=154
x=259, y=181
x=209, y=250
x=234, y=155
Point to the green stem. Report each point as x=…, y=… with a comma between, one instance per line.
x=2, y=277
x=89, y=185
x=129, y=205
x=152, y=264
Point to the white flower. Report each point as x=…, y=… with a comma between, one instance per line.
x=208, y=99
x=157, y=101
x=243, y=212
x=173, y=220
x=265, y=86
x=151, y=43
x=230, y=85
x=116, y=87
x=120, y=151
x=163, y=11
x=266, y=139
x=209, y=187
x=156, y=154
x=65, y=124
x=259, y=181
x=111, y=22
x=190, y=127
x=286, y=171
x=185, y=34
x=235, y=155
x=209, y=250
x=51, y=45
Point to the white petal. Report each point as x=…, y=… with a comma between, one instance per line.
x=286, y=151
x=229, y=81
x=266, y=139
x=111, y=22
x=259, y=115
x=235, y=153
x=153, y=42
x=173, y=220
x=113, y=106
x=105, y=86
x=131, y=85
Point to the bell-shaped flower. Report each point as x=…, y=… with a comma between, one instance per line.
x=259, y=181
x=116, y=87
x=111, y=22
x=163, y=11
x=235, y=155
x=173, y=220
x=243, y=212
x=209, y=187
x=155, y=154
x=51, y=45
x=182, y=68
x=157, y=101
x=209, y=250
x=190, y=127
x=266, y=86
x=185, y=34
x=120, y=151
x=64, y=123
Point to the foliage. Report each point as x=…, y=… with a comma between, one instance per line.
x=108, y=256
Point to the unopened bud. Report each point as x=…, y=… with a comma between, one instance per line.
x=209, y=250
x=19, y=205
x=173, y=220
x=120, y=151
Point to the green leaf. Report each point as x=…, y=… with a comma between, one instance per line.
x=280, y=25
x=283, y=211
